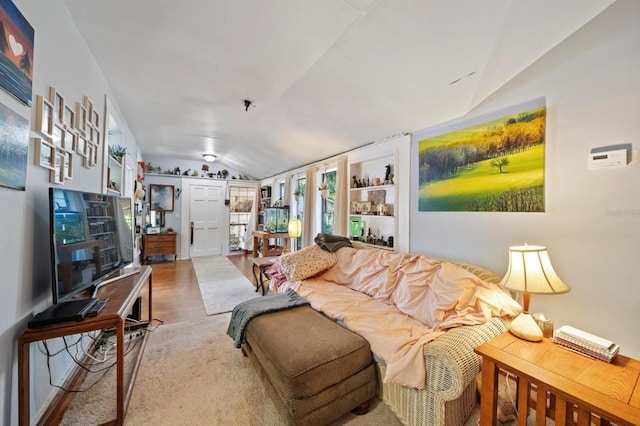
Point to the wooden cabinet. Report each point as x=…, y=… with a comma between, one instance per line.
x=159, y=245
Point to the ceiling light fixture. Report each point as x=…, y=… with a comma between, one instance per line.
x=209, y=157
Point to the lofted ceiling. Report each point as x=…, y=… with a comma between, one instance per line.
x=323, y=77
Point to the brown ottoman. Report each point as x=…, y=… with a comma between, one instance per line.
x=319, y=370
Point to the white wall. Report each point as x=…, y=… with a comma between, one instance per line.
x=592, y=221
x=62, y=60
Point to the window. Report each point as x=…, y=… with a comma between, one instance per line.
x=280, y=194
x=298, y=202
x=328, y=202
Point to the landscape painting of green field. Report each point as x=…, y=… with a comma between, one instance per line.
x=495, y=166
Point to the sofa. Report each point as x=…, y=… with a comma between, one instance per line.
x=422, y=317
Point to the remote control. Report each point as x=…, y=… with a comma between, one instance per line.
x=99, y=306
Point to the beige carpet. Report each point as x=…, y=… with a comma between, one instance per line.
x=192, y=375
x=222, y=285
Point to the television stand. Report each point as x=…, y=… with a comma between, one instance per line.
x=122, y=298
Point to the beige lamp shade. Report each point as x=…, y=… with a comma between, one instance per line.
x=530, y=272
x=295, y=228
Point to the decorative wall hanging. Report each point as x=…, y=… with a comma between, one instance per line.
x=140, y=173
x=161, y=197
x=16, y=52
x=493, y=163
x=14, y=149
x=63, y=133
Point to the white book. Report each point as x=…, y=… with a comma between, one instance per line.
x=582, y=336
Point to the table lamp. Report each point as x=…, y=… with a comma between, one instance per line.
x=295, y=230
x=530, y=272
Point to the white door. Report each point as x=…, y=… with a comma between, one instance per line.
x=206, y=209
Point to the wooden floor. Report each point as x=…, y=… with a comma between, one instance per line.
x=176, y=295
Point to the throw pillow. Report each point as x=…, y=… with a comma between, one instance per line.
x=306, y=263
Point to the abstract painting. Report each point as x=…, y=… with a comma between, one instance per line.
x=161, y=197
x=14, y=149
x=493, y=166
x=16, y=52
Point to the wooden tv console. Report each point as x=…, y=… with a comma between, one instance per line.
x=122, y=295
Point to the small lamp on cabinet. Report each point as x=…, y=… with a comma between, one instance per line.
x=530, y=272
x=295, y=230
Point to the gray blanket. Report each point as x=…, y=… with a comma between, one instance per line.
x=331, y=242
x=245, y=311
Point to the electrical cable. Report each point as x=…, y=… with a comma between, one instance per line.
x=510, y=394
x=129, y=347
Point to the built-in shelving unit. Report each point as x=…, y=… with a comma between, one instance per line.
x=265, y=201
x=373, y=200
x=114, y=176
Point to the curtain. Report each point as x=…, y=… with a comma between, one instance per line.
x=340, y=220
x=309, y=206
x=286, y=198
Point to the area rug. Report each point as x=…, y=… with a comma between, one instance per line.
x=192, y=375
x=222, y=285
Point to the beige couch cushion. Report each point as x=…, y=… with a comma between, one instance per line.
x=306, y=263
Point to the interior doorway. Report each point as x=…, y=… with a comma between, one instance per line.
x=206, y=220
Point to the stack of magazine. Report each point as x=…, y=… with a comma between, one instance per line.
x=585, y=343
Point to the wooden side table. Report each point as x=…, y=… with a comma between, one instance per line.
x=264, y=237
x=122, y=296
x=262, y=264
x=567, y=385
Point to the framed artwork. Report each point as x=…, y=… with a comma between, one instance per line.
x=360, y=207
x=16, y=60
x=81, y=118
x=44, y=116
x=70, y=141
x=95, y=119
x=14, y=149
x=95, y=155
x=93, y=134
x=81, y=146
x=69, y=117
x=45, y=154
x=57, y=136
x=68, y=165
x=377, y=196
x=88, y=155
x=57, y=174
x=91, y=158
x=57, y=100
x=161, y=197
x=491, y=163
x=89, y=107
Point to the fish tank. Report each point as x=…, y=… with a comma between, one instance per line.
x=276, y=219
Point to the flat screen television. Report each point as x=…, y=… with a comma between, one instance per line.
x=91, y=240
